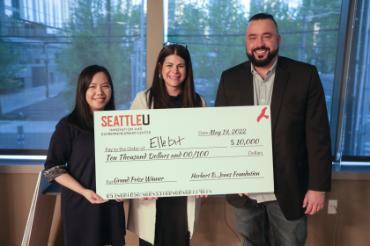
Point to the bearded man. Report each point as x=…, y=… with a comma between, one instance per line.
x=300, y=137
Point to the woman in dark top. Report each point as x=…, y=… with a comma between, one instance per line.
x=87, y=218
x=167, y=221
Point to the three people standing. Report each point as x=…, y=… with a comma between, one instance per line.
x=300, y=138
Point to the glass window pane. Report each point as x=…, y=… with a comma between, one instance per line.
x=214, y=32
x=356, y=139
x=43, y=47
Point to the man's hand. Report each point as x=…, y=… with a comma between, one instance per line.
x=244, y=194
x=313, y=201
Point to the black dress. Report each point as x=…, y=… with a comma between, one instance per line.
x=83, y=223
x=171, y=222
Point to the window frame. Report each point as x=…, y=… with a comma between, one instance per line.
x=155, y=38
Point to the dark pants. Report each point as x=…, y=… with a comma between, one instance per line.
x=262, y=223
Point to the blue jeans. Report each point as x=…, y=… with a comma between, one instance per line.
x=260, y=224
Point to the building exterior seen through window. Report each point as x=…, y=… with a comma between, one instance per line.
x=356, y=125
x=43, y=47
x=214, y=32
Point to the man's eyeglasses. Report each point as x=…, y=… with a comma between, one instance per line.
x=172, y=43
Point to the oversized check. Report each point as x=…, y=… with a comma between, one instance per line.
x=180, y=152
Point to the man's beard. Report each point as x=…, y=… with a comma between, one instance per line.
x=262, y=63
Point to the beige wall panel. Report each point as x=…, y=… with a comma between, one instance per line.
x=16, y=191
x=349, y=226
x=154, y=36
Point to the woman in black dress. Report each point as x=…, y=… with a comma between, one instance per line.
x=87, y=218
x=167, y=221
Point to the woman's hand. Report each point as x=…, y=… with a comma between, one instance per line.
x=201, y=196
x=149, y=198
x=92, y=197
x=71, y=183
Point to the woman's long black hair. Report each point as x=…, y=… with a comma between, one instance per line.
x=81, y=114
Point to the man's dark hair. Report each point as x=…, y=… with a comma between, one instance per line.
x=264, y=16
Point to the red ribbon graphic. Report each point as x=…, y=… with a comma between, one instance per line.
x=262, y=114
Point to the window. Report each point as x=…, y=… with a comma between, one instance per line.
x=44, y=44
x=215, y=34
x=356, y=119
x=43, y=47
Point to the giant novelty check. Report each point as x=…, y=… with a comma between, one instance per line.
x=181, y=152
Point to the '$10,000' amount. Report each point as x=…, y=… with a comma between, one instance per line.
x=245, y=142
